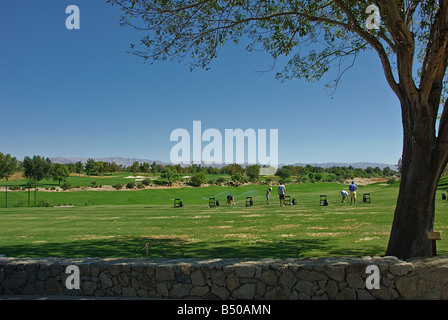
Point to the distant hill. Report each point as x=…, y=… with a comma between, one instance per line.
x=361, y=165
x=129, y=161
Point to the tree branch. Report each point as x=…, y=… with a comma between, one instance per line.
x=435, y=62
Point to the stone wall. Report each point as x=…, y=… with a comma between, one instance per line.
x=303, y=279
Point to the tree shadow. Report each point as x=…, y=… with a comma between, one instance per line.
x=134, y=247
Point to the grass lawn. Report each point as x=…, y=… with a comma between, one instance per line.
x=119, y=223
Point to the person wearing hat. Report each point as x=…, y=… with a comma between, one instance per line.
x=268, y=195
x=352, y=188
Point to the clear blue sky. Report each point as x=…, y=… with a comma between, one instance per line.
x=78, y=93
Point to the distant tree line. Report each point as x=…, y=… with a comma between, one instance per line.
x=37, y=168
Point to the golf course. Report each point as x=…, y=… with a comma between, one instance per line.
x=135, y=223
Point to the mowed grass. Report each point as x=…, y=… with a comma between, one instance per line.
x=120, y=223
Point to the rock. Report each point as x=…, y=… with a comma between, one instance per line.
x=19, y=278
x=88, y=287
x=364, y=295
x=288, y=279
x=53, y=287
x=346, y=294
x=308, y=275
x=145, y=282
x=197, y=278
x=354, y=280
x=164, y=273
x=245, y=292
x=179, y=291
x=278, y=293
x=244, y=271
x=232, y=282
x=332, y=289
x=199, y=291
x=269, y=277
x=221, y=292
x=336, y=271
x=428, y=284
x=218, y=277
x=106, y=282
x=306, y=287
x=400, y=269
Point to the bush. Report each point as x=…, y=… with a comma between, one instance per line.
x=220, y=180
x=44, y=203
x=140, y=185
x=117, y=186
x=237, y=177
x=130, y=185
x=66, y=186
x=392, y=180
x=146, y=182
x=198, y=178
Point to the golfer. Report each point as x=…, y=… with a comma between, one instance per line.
x=352, y=188
x=268, y=195
x=281, y=193
x=344, y=195
x=230, y=200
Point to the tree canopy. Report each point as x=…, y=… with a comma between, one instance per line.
x=8, y=165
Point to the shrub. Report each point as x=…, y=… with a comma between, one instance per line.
x=198, y=178
x=220, y=180
x=117, y=186
x=130, y=185
x=237, y=177
x=146, y=182
x=44, y=203
x=140, y=185
x=66, y=186
x=392, y=180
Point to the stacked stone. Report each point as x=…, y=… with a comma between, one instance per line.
x=303, y=279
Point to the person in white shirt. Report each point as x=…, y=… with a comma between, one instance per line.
x=344, y=195
x=281, y=193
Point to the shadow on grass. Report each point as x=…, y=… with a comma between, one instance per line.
x=175, y=248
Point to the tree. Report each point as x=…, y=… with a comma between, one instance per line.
x=144, y=167
x=283, y=172
x=253, y=172
x=411, y=42
x=8, y=165
x=98, y=168
x=232, y=169
x=170, y=175
x=90, y=167
x=79, y=167
x=135, y=167
x=198, y=178
x=59, y=172
x=36, y=168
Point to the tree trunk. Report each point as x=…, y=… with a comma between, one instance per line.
x=423, y=161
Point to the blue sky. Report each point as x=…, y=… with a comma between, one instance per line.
x=78, y=93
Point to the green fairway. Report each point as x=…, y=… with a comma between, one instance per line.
x=120, y=223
